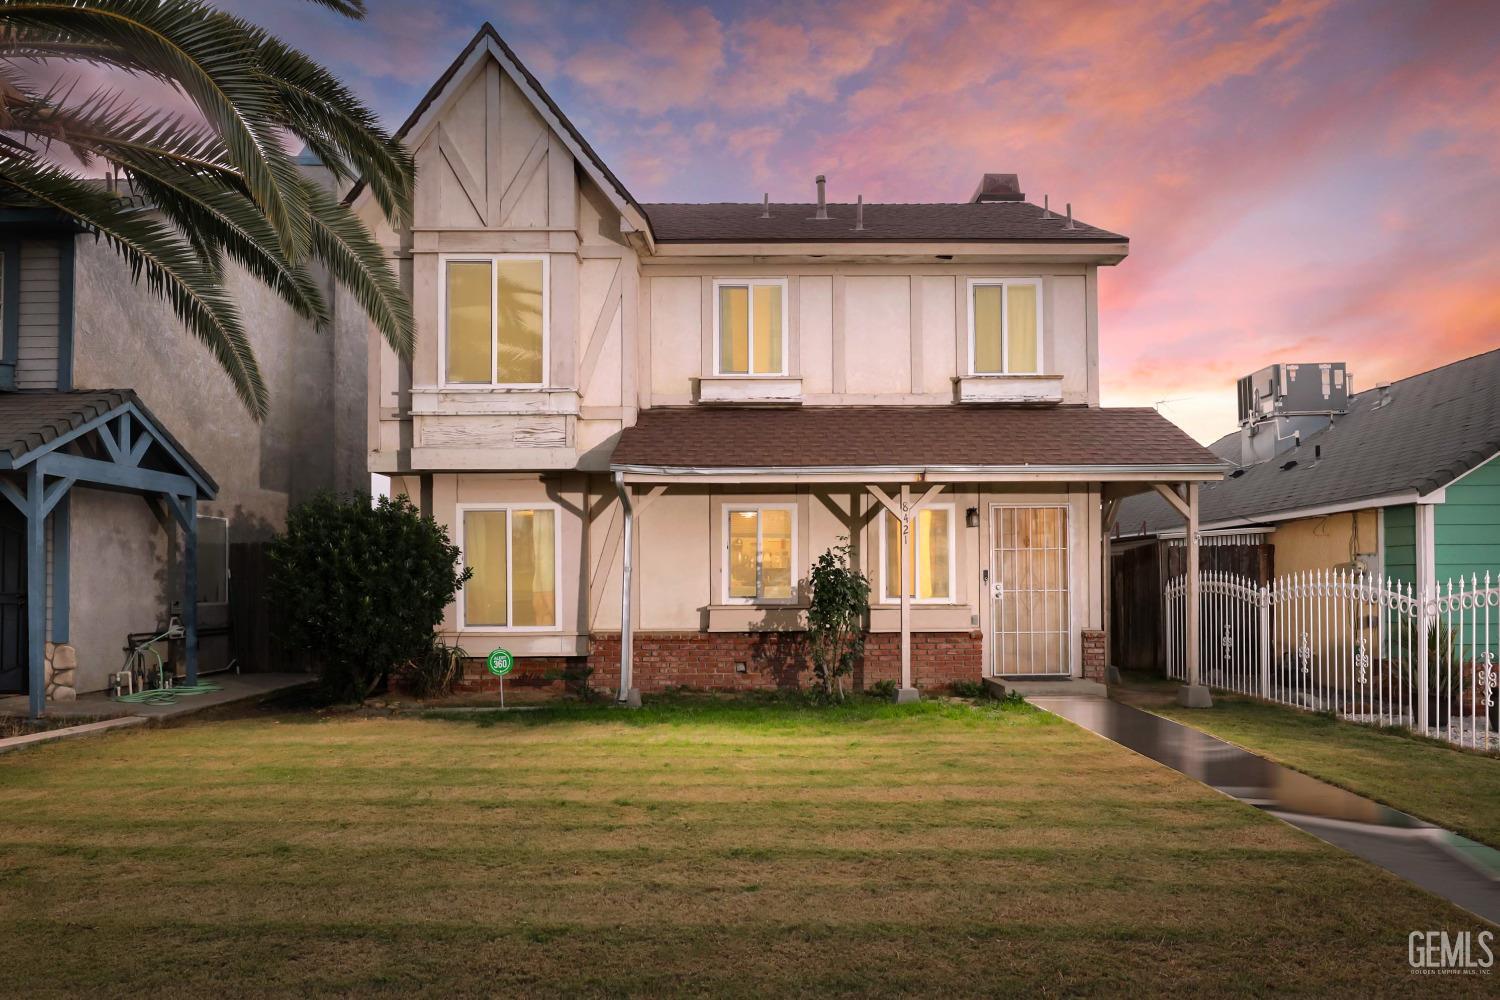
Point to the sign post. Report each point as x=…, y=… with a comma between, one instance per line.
x=500, y=663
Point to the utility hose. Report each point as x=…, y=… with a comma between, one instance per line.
x=168, y=696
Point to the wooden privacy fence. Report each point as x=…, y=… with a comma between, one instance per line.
x=1369, y=650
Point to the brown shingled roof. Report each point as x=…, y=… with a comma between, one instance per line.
x=905, y=436
x=994, y=221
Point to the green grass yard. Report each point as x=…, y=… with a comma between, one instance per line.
x=698, y=848
x=1455, y=788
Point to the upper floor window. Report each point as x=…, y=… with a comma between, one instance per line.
x=929, y=568
x=494, y=320
x=513, y=551
x=750, y=326
x=1005, y=326
x=760, y=549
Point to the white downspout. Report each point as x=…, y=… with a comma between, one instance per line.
x=627, y=626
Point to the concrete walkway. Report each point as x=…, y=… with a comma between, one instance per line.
x=98, y=705
x=1442, y=862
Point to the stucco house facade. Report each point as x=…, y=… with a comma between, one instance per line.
x=130, y=469
x=643, y=422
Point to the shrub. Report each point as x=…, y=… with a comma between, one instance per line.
x=967, y=689
x=434, y=672
x=836, y=619
x=882, y=689
x=362, y=588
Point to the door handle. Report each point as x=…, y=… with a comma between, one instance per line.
x=999, y=591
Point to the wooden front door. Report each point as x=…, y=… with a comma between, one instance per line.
x=1031, y=593
x=13, y=672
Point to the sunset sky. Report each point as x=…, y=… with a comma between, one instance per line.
x=1301, y=181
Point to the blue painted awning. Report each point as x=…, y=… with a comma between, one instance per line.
x=102, y=436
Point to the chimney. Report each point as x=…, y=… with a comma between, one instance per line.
x=1280, y=404
x=1069, y=223
x=822, y=212
x=859, y=214
x=997, y=187
x=765, y=206
x=1046, y=206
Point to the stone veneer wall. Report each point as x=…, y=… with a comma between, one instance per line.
x=61, y=671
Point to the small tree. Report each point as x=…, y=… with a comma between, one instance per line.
x=836, y=619
x=362, y=588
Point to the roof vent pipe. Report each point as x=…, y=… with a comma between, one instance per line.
x=822, y=198
x=1046, y=206
x=765, y=206
x=1070, y=217
x=859, y=213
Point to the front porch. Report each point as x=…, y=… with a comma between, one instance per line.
x=52, y=444
x=951, y=512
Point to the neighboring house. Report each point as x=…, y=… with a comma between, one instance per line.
x=700, y=398
x=1400, y=481
x=122, y=444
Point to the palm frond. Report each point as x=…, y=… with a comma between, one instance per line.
x=168, y=265
x=349, y=8
x=358, y=263
x=212, y=57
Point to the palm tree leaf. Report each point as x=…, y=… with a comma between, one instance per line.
x=349, y=8
x=358, y=263
x=212, y=56
x=170, y=267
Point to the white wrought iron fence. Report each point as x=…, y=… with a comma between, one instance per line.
x=1370, y=650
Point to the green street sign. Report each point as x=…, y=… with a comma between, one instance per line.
x=501, y=662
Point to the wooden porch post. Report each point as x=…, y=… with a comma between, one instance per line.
x=1193, y=694
x=190, y=587
x=36, y=593
x=903, y=512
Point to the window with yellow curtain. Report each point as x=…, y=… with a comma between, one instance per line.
x=518, y=330
x=513, y=555
x=752, y=329
x=1006, y=330
x=929, y=571
x=469, y=322
x=494, y=321
x=759, y=554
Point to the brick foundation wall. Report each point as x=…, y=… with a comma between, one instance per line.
x=708, y=660
x=1095, y=655
x=536, y=672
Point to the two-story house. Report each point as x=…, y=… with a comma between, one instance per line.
x=129, y=469
x=647, y=420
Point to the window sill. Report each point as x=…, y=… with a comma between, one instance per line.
x=741, y=389
x=1008, y=389
x=458, y=400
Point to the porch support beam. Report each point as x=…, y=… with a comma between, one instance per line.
x=36, y=594
x=903, y=511
x=1193, y=694
x=185, y=510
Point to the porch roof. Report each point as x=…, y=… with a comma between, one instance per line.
x=35, y=422
x=917, y=442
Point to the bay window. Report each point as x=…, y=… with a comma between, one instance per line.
x=750, y=326
x=929, y=567
x=1005, y=326
x=760, y=553
x=513, y=551
x=494, y=320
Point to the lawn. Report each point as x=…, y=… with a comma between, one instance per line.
x=1454, y=788
x=694, y=848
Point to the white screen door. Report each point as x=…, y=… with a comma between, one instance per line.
x=1029, y=586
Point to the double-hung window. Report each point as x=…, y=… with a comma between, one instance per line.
x=929, y=567
x=760, y=553
x=1005, y=326
x=513, y=552
x=494, y=320
x=750, y=326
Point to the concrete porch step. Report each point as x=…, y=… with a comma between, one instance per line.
x=1060, y=687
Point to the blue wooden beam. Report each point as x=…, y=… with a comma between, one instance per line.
x=15, y=496
x=62, y=560
x=190, y=585
x=36, y=594
x=91, y=470
x=10, y=299
x=54, y=492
